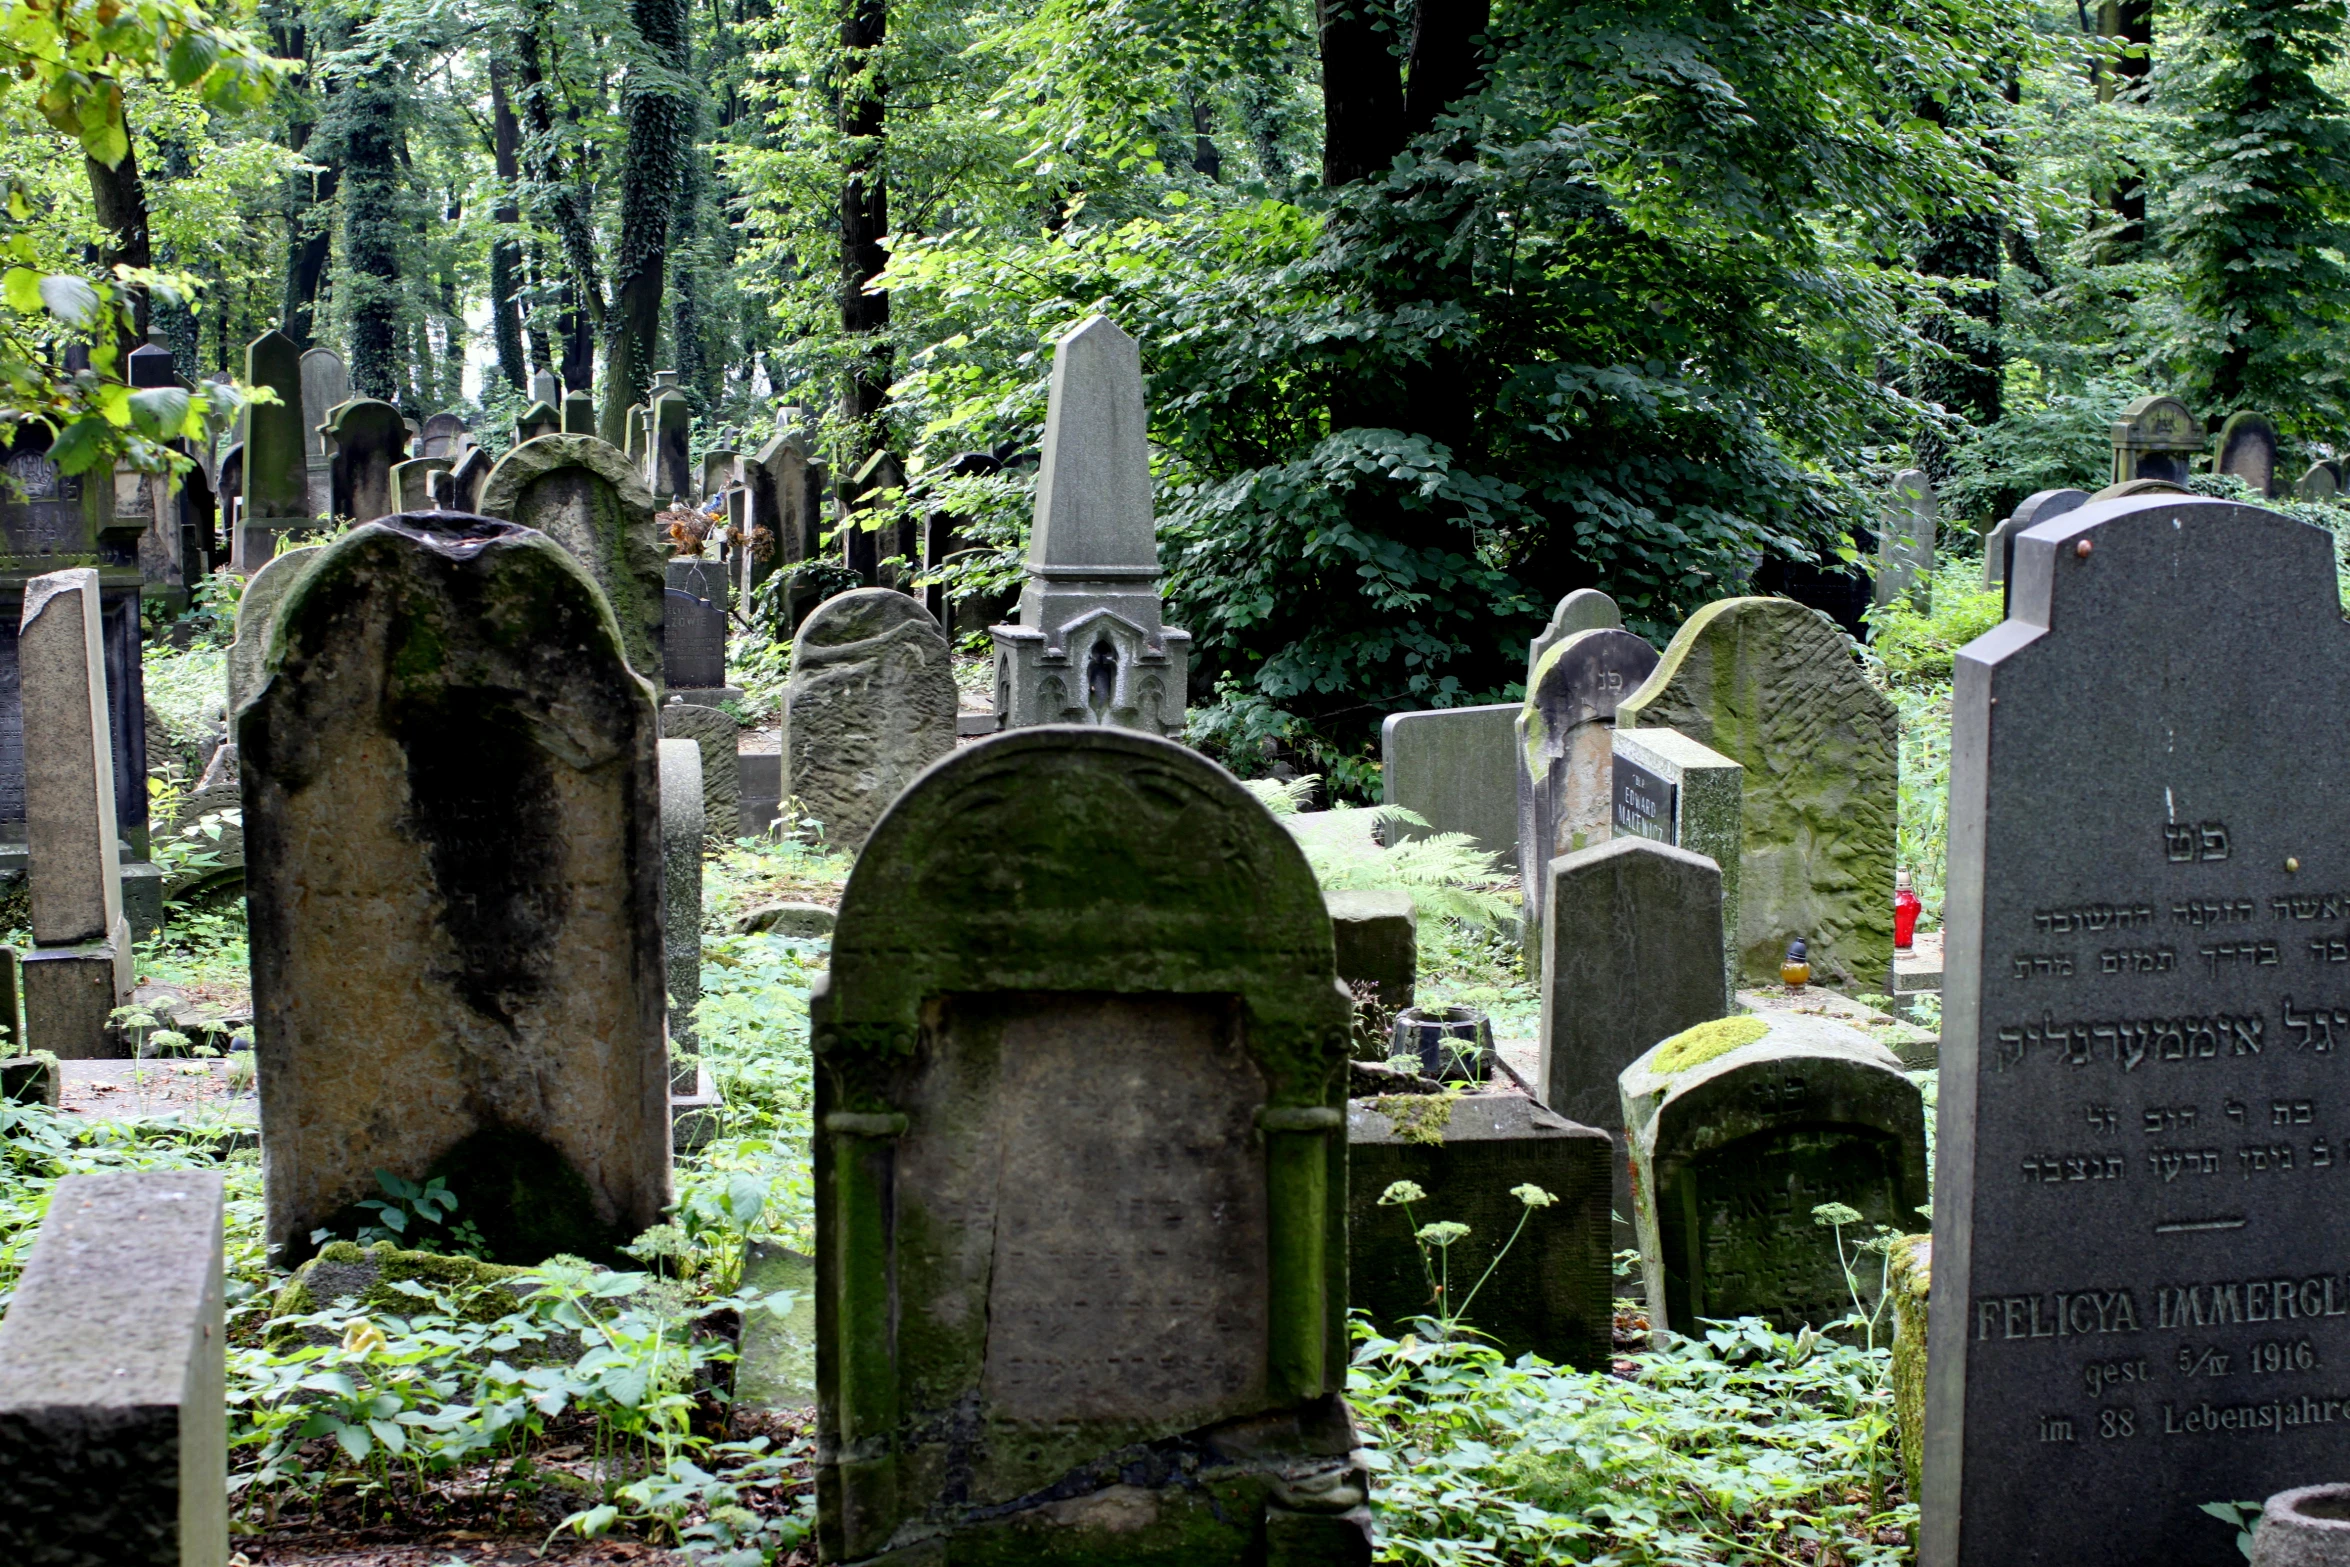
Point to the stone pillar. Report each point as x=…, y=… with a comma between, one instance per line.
x=326, y=386
x=113, y=1417
x=681, y=905
x=669, y=421
x=80, y=965
x=277, y=469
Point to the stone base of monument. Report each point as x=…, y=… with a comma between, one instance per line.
x=28, y=1080
x=704, y=696
x=69, y=992
x=693, y=1117
x=1919, y=1049
x=1917, y=972
x=142, y=898
x=1553, y=1294
x=777, y=1365
x=970, y=724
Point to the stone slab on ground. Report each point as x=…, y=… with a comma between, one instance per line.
x=113, y=1420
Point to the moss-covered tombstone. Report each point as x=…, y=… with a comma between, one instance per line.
x=586, y=496
x=1773, y=686
x=870, y=703
x=1739, y=1129
x=1081, y=1174
x=454, y=884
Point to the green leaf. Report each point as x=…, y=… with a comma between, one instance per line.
x=70, y=299
x=22, y=287
x=594, y=1521
x=355, y=1441
x=80, y=446
x=160, y=413
x=192, y=54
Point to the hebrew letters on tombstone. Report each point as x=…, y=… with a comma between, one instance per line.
x=2146, y=1006
x=2154, y=439
x=580, y=492
x=870, y=703
x=1773, y=686
x=1080, y=1001
x=1090, y=647
x=2248, y=450
x=1585, y=609
x=453, y=872
x=693, y=634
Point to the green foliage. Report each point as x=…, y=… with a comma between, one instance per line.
x=1446, y=875
x=1743, y=1445
x=427, y=1207
x=1919, y=644
x=1922, y=824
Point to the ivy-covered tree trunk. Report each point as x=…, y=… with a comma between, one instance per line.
x=361, y=124
x=660, y=115
x=310, y=200
x=119, y=197
x=506, y=248
x=583, y=316
x=2259, y=235
x=690, y=357
x=1362, y=96
x=864, y=220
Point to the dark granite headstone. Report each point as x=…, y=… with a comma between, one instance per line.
x=693, y=636
x=2139, y=1299
x=1081, y=1174
x=453, y=876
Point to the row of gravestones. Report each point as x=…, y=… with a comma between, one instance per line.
x=452, y=785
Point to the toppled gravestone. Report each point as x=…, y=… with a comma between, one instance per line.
x=453, y=875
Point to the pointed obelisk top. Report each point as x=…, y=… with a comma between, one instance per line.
x=1093, y=489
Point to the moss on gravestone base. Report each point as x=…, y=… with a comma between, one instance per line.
x=1694, y=1047
x=345, y=1273
x=1911, y=1282
x=1417, y=1118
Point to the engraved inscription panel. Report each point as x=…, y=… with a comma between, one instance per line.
x=2143, y=1123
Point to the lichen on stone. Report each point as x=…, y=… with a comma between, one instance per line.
x=1694, y=1047
x=1418, y=1118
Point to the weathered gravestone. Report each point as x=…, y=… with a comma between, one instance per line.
x=452, y=822
x=1552, y=1294
x=370, y=440
x=682, y=831
x=442, y=436
x=1081, y=1174
x=579, y=413
x=257, y=606
x=668, y=427
x=2139, y=1299
x=787, y=509
x=1905, y=545
x=718, y=472
x=79, y=966
x=2038, y=507
x=545, y=387
x=1456, y=768
x=716, y=735
x=2248, y=450
x=412, y=482
x=870, y=703
x=468, y=478
x=1566, y=757
x=778, y=1365
x=1585, y=609
x=1631, y=953
x=580, y=492
x=2155, y=438
x=113, y=1414
x=2318, y=484
x=693, y=632
x=540, y=419
x=1739, y=1130
x=1773, y=686
x=1090, y=646
x=326, y=386
x=276, y=473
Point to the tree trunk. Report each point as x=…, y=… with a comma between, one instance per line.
x=506, y=248
x=694, y=371
x=1362, y=93
x=120, y=198
x=864, y=220
x=660, y=120
x=1448, y=60
x=584, y=312
x=367, y=117
x=1204, y=156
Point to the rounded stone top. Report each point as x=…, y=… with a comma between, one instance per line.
x=534, y=459
x=1717, y=1082
x=2305, y=1527
x=859, y=615
x=1075, y=858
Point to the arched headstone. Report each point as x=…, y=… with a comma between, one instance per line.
x=1080, y=1172
x=1566, y=762
x=870, y=703
x=581, y=493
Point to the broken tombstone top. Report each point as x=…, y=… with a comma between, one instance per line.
x=1121, y=985
x=2146, y=1007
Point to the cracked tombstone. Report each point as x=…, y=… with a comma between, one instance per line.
x=1079, y=1000
x=453, y=872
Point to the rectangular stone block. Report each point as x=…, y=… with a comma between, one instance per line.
x=76, y=869
x=31, y=1080
x=1378, y=942
x=113, y=1424
x=1673, y=790
x=693, y=634
x=69, y=992
x=761, y=783
x=1458, y=768
x=1553, y=1294
x=777, y=1370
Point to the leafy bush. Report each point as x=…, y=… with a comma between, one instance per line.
x=1920, y=643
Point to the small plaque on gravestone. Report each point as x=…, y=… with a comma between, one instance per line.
x=1644, y=802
